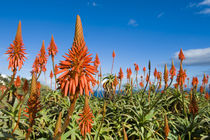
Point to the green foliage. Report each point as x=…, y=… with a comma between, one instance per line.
x=142, y=119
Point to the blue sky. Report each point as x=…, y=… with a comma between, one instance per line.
x=138, y=31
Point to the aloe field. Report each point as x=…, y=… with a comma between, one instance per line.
x=83, y=102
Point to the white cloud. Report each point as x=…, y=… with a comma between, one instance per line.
x=132, y=22
x=195, y=57
x=160, y=14
x=205, y=11
x=204, y=2
x=203, y=6
x=94, y=4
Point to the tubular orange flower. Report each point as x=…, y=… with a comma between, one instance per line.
x=113, y=54
x=129, y=73
x=51, y=74
x=77, y=71
x=56, y=69
x=120, y=74
x=195, y=81
x=144, y=70
x=205, y=80
x=141, y=84
x=42, y=57
x=35, y=66
x=201, y=89
x=172, y=70
x=52, y=49
x=160, y=79
x=115, y=82
x=33, y=105
x=97, y=61
x=136, y=67
x=181, y=76
x=166, y=76
x=16, y=51
x=147, y=78
x=166, y=129
x=193, y=107
x=17, y=82
x=155, y=73
x=86, y=121
x=207, y=95
x=181, y=55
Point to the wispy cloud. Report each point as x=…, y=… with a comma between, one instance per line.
x=195, y=57
x=133, y=23
x=160, y=15
x=92, y=3
x=203, y=6
x=205, y=11
x=204, y=2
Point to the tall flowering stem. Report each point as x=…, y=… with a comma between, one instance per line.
x=181, y=79
x=25, y=90
x=42, y=60
x=166, y=76
x=148, y=77
x=33, y=104
x=120, y=77
x=77, y=73
x=51, y=76
x=16, y=53
x=136, y=70
x=172, y=73
x=52, y=51
x=113, y=56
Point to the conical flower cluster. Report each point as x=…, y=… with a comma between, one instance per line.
x=16, y=51
x=52, y=49
x=77, y=71
x=85, y=121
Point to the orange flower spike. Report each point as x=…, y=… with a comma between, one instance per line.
x=113, y=54
x=35, y=66
x=166, y=129
x=172, y=70
x=205, y=80
x=52, y=49
x=193, y=107
x=207, y=95
x=85, y=121
x=136, y=67
x=56, y=69
x=181, y=55
x=147, y=78
x=120, y=75
x=155, y=73
x=42, y=56
x=195, y=81
x=17, y=82
x=97, y=61
x=115, y=82
x=166, y=76
x=51, y=74
x=201, y=89
x=144, y=69
x=141, y=84
x=77, y=71
x=16, y=51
